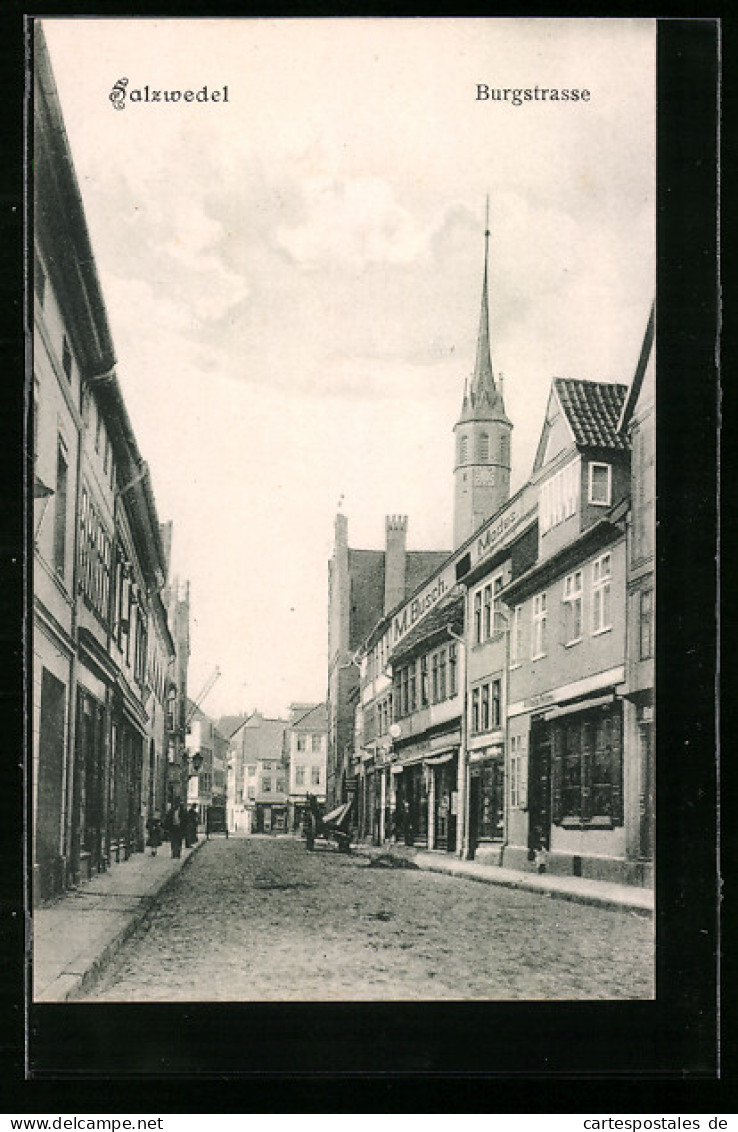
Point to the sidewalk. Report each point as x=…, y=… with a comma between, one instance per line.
x=600, y=893
x=75, y=936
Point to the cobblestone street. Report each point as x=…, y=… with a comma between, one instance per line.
x=269, y=921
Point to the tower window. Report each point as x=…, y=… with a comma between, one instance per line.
x=464, y=449
x=483, y=447
x=505, y=449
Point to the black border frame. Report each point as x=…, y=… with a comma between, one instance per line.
x=393, y=1052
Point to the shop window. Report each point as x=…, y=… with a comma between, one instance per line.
x=539, y=626
x=645, y=624
x=588, y=770
x=601, y=612
x=600, y=484
x=518, y=773
x=573, y=607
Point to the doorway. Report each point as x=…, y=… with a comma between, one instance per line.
x=49, y=783
x=539, y=787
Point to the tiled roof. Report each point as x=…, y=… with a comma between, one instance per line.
x=593, y=410
x=309, y=718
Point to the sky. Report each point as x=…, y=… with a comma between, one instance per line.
x=293, y=280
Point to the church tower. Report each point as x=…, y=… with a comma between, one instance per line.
x=482, y=434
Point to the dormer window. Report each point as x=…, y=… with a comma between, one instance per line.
x=558, y=497
x=600, y=484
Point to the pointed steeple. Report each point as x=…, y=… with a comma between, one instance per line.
x=483, y=375
x=482, y=397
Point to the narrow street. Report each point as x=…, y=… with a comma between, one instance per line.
x=267, y=920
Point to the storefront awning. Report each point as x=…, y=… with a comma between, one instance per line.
x=437, y=760
x=580, y=705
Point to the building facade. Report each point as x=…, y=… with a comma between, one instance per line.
x=102, y=650
x=504, y=706
x=306, y=750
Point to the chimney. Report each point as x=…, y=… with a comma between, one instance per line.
x=394, y=560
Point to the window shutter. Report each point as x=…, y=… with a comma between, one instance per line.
x=616, y=764
x=557, y=758
x=587, y=745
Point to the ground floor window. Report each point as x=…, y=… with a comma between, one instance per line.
x=587, y=766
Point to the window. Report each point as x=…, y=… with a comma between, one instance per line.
x=463, y=449
x=413, y=688
x=505, y=450
x=453, y=680
x=498, y=620
x=442, y=674
x=573, y=607
x=483, y=448
x=600, y=484
x=299, y=776
x=251, y=771
x=518, y=773
x=516, y=636
x=487, y=615
x=478, y=618
x=487, y=706
x=39, y=279
x=315, y=741
x=60, y=512
x=587, y=768
x=434, y=677
x=405, y=691
x=66, y=358
x=601, y=573
x=95, y=559
x=645, y=624
x=302, y=742
x=495, y=704
x=484, y=709
x=252, y=792
x=476, y=700
x=315, y=776
x=558, y=497
x=424, y=681
x=280, y=785
x=266, y=784
x=539, y=625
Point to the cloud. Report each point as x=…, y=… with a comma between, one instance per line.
x=356, y=222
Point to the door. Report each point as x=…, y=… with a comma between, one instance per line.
x=49, y=782
x=539, y=787
x=646, y=792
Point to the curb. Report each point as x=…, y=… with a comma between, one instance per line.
x=522, y=884
x=87, y=980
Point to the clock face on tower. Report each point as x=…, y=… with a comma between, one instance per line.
x=484, y=477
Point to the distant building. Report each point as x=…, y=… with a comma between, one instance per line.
x=306, y=746
x=362, y=585
x=260, y=772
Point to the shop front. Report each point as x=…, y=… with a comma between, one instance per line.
x=444, y=807
x=575, y=788
x=486, y=803
x=411, y=804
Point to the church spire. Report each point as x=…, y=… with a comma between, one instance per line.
x=483, y=375
x=482, y=396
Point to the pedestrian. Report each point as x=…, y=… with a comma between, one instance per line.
x=154, y=831
x=174, y=826
x=191, y=823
